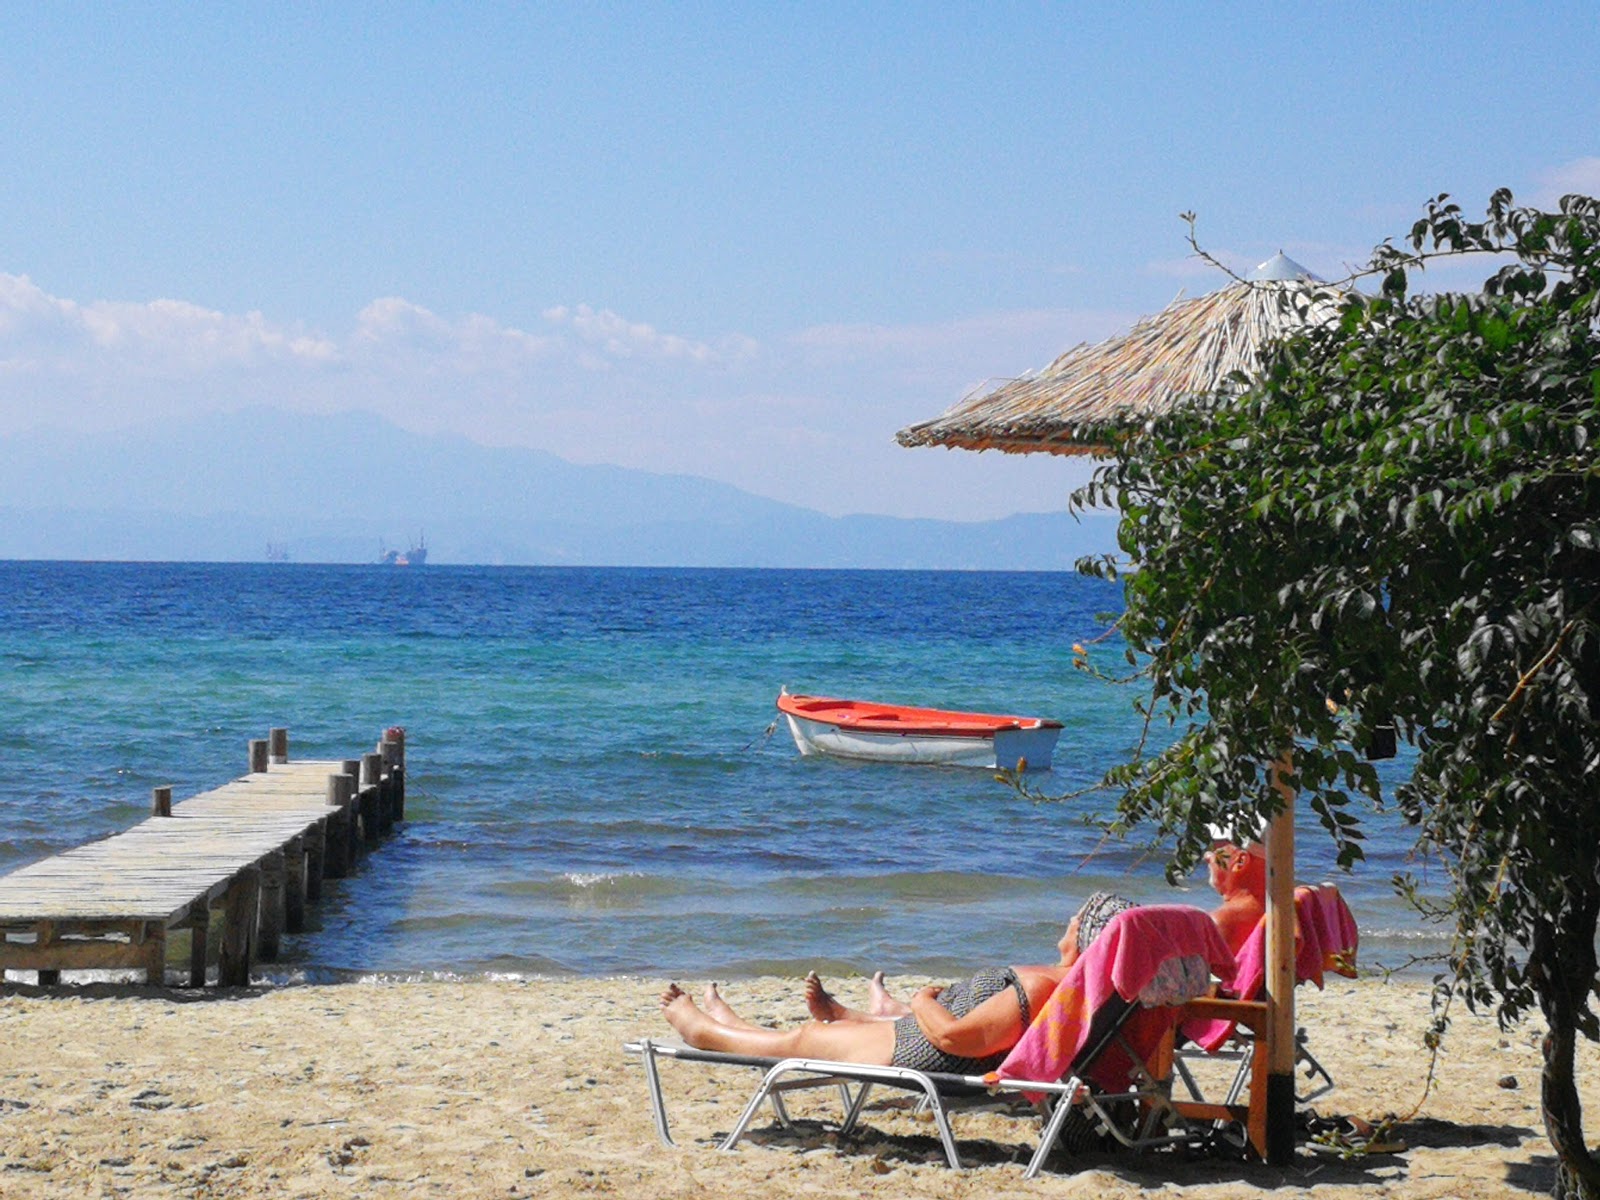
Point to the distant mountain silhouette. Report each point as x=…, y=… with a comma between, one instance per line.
x=337, y=488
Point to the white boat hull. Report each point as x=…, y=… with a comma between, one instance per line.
x=1005, y=749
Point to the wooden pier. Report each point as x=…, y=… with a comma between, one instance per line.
x=257, y=849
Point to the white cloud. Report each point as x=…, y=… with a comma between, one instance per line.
x=621, y=338
x=809, y=417
x=161, y=337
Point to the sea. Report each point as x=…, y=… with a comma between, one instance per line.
x=596, y=782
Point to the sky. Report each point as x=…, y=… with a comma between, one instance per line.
x=747, y=242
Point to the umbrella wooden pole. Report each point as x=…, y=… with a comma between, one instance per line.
x=1280, y=971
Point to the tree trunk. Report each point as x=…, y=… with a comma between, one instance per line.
x=1579, y=1177
x=1564, y=960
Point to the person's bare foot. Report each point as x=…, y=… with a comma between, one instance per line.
x=681, y=1013
x=881, y=1003
x=716, y=1007
x=719, y=1010
x=820, y=1002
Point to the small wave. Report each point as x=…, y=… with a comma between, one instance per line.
x=595, y=884
x=947, y=887
x=588, y=879
x=454, y=920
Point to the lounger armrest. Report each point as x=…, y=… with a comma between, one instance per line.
x=1252, y=1014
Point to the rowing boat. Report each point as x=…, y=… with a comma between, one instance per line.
x=900, y=733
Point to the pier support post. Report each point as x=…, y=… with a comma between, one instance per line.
x=238, y=928
x=161, y=801
x=393, y=749
x=372, y=777
x=46, y=933
x=271, y=910
x=152, y=943
x=278, y=745
x=316, y=850
x=258, y=756
x=341, y=828
x=366, y=804
x=199, y=925
x=294, y=885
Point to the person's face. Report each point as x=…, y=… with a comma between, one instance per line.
x=1224, y=861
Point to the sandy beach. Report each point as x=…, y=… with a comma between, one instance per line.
x=521, y=1088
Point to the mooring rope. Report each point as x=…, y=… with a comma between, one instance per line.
x=765, y=736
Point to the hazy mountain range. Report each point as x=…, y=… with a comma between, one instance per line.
x=339, y=488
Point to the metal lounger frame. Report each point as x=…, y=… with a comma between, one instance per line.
x=940, y=1093
x=1158, y=1125
x=1318, y=1080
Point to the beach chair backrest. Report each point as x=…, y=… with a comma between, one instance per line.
x=1154, y=956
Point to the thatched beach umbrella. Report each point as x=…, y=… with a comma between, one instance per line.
x=1077, y=405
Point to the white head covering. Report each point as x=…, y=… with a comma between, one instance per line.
x=1246, y=832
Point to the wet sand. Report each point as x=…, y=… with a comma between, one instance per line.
x=521, y=1088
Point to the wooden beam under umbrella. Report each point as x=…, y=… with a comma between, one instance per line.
x=1080, y=404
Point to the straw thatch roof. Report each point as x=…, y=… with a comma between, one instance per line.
x=1077, y=403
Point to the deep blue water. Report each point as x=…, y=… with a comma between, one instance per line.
x=591, y=785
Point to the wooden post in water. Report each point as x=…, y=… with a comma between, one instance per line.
x=270, y=910
x=294, y=885
x=161, y=801
x=278, y=745
x=316, y=849
x=393, y=749
x=372, y=777
x=340, y=849
x=238, y=928
x=258, y=756
x=366, y=803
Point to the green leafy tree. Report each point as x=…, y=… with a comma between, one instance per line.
x=1397, y=524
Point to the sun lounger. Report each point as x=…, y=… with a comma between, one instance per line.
x=1088, y=1045
x=942, y=1095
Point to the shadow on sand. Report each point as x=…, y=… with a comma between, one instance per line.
x=1174, y=1165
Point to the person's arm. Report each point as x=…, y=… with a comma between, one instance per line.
x=993, y=1026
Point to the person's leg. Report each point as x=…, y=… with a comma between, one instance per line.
x=869, y=1042
x=823, y=1006
x=882, y=1004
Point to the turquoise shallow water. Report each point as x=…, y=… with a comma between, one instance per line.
x=591, y=786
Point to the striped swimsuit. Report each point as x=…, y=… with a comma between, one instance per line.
x=912, y=1048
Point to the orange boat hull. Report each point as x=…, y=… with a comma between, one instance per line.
x=863, y=729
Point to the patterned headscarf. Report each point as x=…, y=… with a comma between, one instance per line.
x=1096, y=914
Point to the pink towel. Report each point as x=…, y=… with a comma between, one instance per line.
x=1325, y=940
x=1140, y=948
x=1338, y=938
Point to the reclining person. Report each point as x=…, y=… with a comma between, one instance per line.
x=965, y=1029
x=882, y=1005
x=1238, y=874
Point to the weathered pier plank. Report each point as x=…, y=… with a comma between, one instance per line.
x=257, y=849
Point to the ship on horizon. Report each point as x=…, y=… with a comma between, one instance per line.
x=416, y=556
